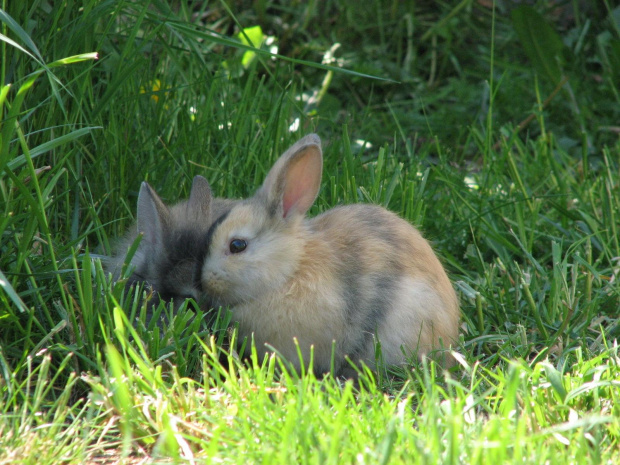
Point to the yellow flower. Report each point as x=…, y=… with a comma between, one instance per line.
x=155, y=88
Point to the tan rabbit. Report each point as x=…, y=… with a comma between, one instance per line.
x=339, y=279
x=173, y=238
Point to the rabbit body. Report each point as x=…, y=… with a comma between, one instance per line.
x=173, y=239
x=332, y=282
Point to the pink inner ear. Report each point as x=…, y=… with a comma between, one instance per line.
x=291, y=198
x=302, y=182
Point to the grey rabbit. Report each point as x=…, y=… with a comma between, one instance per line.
x=173, y=238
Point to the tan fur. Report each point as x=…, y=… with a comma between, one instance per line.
x=347, y=275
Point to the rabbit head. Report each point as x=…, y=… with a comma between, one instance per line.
x=257, y=246
x=172, y=240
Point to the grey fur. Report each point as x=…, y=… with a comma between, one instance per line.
x=174, y=240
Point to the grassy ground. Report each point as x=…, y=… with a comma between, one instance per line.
x=504, y=152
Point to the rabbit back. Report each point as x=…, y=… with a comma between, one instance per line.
x=393, y=286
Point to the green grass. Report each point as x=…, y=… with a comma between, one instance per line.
x=461, y=128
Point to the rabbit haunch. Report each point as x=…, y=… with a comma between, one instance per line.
x=347, y=275
x=173, y=240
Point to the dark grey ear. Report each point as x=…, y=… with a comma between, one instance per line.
x=199, y=203
x=153, y=216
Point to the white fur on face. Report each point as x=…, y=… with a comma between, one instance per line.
x=268, y=261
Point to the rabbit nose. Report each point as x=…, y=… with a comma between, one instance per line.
x=210, y=281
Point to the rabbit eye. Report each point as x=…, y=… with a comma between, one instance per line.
x=237, y=245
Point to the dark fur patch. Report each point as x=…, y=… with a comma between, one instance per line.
x=381, y=302
x=273, y=209
x=372, y=312
x=185, y=245
x=205, y=245
x=369, y=298
x=176, y=265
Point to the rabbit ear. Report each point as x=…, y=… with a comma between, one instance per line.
x=292, y=184
x=199, y=204
x=153, y=216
